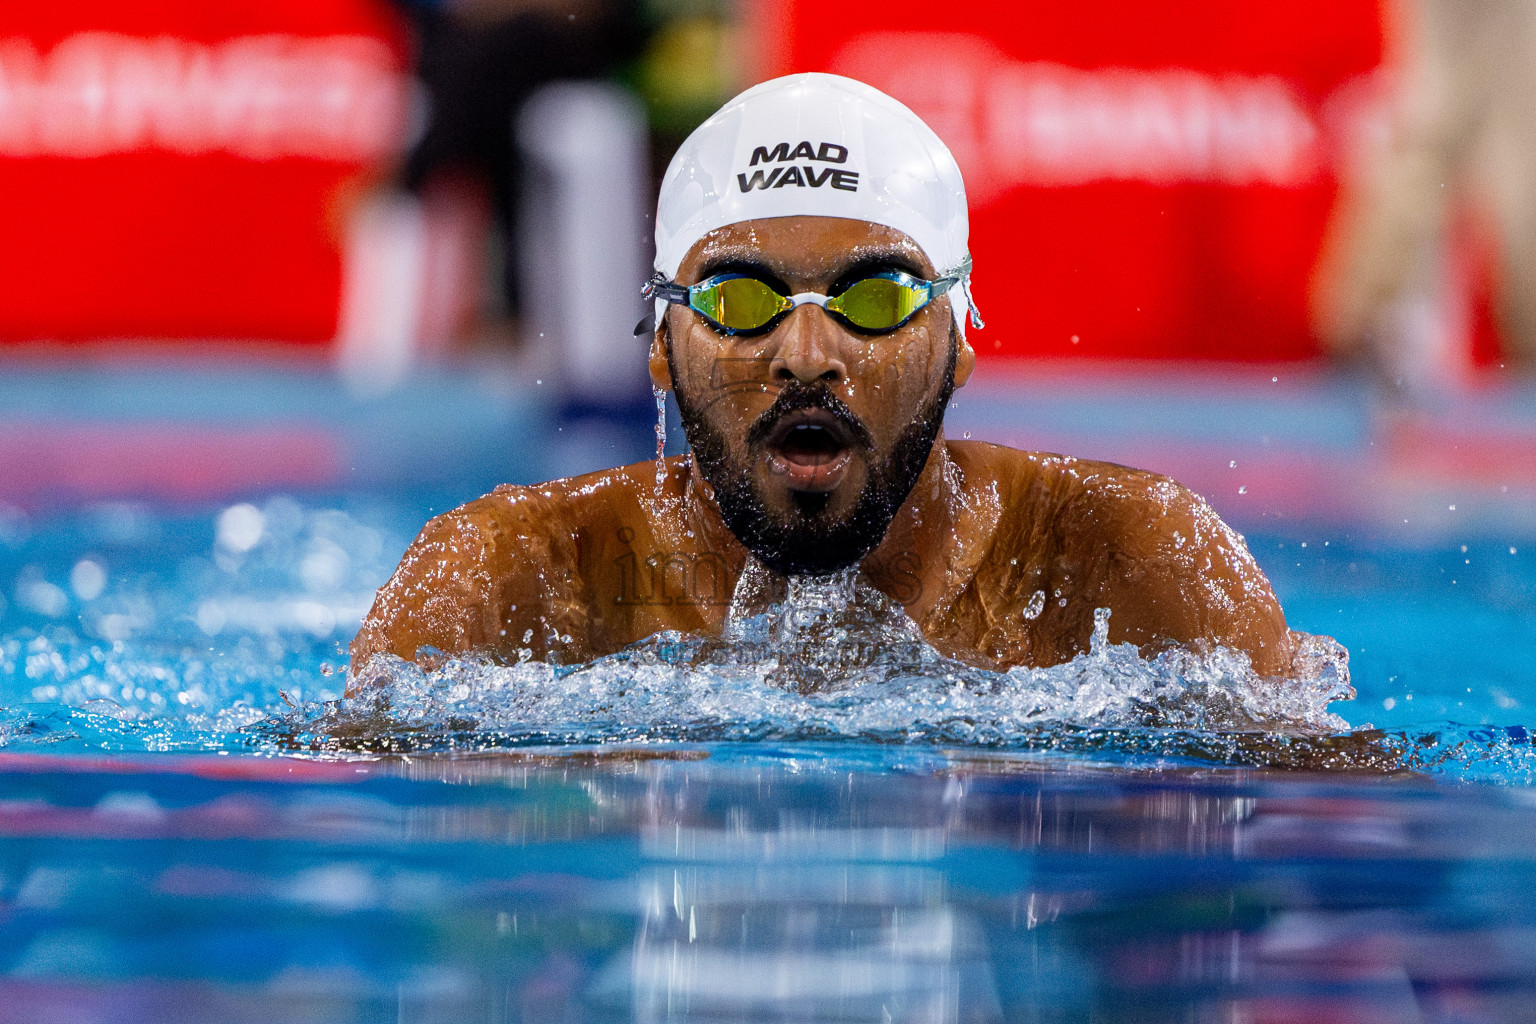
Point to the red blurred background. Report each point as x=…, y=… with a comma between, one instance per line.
x=1148, y=181
x=177, y=169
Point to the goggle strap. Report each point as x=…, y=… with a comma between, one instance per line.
x=671, y=292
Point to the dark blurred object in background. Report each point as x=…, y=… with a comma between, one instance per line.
x=479, y=61
x=1431, y=267
x=691, y=65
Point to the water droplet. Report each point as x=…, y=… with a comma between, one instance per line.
x=1100, y=639
x=661, y=438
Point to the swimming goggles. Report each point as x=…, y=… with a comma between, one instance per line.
x=744, y=305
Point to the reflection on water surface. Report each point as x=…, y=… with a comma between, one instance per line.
x=758, y=883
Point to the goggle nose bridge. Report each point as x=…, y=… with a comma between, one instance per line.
x=801, y=298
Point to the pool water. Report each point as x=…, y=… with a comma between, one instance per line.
x=164, y=855
x=137, y=628
x=194, y=827
x=754, y=882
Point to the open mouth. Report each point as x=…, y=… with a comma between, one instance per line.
x=810, y=449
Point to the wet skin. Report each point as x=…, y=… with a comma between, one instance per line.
x=1000, y=556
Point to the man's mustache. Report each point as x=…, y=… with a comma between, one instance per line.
x=795, y=396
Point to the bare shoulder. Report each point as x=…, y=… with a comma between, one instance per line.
x=450, y=590
x=480, y=537
x=1101, y=502
x=1173, y=571
x=509, y=510
x=495, y=575
x=1161, y=535
x=513, y=516
x=500, y=575
x=1136, y=509
x=1043, y=483
x=1143, y=545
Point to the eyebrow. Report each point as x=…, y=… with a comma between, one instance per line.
x=873, y=263
x=740, y=260
x=731, y=263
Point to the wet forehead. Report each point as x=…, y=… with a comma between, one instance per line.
x=809, y=250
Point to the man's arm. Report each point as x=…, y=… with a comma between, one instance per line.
x=495, y=577
x=1173, y=573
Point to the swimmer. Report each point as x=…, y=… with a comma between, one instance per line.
x=811, y=295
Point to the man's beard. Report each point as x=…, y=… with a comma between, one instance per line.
x=811, y=540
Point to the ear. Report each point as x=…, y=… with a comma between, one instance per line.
x=965, y=358
x=661, y=341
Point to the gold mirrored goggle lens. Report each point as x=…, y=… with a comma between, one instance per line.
x=878, y=303
x=739, y=303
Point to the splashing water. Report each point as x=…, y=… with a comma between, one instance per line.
x=835, y=659
x=661, y=438
x=824, y=660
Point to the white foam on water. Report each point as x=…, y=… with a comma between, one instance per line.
x=836, y=659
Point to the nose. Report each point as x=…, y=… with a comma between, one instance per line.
x=806, y=348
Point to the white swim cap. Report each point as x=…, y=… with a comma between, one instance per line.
x=818, y=145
